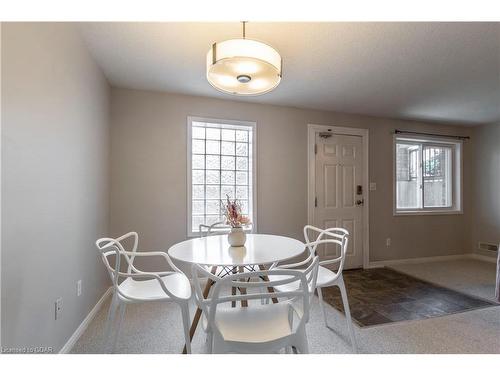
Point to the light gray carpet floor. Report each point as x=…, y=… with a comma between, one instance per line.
x=469, y=276
x=157, y=327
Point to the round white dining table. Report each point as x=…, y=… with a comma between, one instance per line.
x=259, y=249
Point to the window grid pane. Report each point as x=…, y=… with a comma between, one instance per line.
x=408, y=176
x=437, y=177
x=221, y=165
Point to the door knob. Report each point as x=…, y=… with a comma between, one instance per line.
x=360, y=202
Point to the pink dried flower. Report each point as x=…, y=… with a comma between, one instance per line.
x=232, y=213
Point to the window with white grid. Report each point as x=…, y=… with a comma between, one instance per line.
x=427, y=175
x=221, y=164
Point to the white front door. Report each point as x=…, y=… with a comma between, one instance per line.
x=339, y=191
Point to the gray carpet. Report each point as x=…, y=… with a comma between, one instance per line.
x=469, y=276
x=157, y=328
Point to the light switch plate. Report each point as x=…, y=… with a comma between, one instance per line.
x=373, y=186
x=58, y=308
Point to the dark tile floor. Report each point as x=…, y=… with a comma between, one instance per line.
x=382, y=295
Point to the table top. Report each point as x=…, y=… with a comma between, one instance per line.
x=215, y=250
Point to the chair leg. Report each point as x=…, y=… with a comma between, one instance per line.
x=110, y=319
x=347, y=310
x=233, y=289
x=218, y=346
x=302, y=345
x=122, y=307
x=210, y=341
x=321, y=303
x=185, y=323
x=304, y=348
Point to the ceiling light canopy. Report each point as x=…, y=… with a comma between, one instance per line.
x=243, y=66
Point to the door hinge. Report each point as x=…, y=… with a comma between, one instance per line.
x=315, y=148
x=315, y=201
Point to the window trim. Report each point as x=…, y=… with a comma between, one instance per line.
x=457, y=176
x=410, y=161
x=253, y=125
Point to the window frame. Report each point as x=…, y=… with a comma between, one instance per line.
x=456, y=175
x=410, y=162
x=253, y=126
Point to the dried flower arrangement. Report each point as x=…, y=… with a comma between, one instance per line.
x=231, y=209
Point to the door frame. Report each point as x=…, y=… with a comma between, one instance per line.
x=312, y=129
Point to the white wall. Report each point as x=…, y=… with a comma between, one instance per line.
x=148, y=165
x=486, y=217
x=55, y=140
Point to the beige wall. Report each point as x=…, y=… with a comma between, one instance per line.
x=485, y=221
x=148, y=165
x=55, y=141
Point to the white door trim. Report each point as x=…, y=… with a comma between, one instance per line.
x=312, y=129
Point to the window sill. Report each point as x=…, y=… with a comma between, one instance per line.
x=428, y=212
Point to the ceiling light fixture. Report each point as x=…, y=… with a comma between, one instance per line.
x=243, y=66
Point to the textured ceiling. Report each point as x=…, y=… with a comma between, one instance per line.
x=446, y=72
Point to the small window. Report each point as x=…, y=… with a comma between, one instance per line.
x=427, y=176
x=221, y=164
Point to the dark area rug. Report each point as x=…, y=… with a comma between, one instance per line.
x=382, y=295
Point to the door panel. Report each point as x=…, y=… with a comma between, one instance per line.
x=339, y=171
x=330, y=189
x=348, y=181
x=330, y=150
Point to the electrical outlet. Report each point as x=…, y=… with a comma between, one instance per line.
x=388, y=242
x=58, y=308
x=79, y=288
x=373, y=186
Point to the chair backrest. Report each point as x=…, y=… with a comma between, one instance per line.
x=335, y=236
x=213, y=229
x=109, y=247
x=298, y=299
x=114, y=246
x=311, y=270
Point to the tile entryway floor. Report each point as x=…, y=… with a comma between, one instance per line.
x=382, y=295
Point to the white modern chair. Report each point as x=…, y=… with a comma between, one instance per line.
x=135, y=286
x=326, y=277
x=213, y=229
x=304, y=264
x=257, y=328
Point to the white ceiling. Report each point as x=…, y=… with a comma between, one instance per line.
x=446, y=72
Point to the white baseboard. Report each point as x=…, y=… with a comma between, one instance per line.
x=484, y=258
x=385, y=263
x=83, y=326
